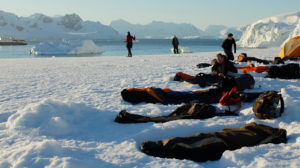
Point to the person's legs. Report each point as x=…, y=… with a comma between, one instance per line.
x=126, y=117
x=129, y=46
x=229, y=54
x=177, y=50
x=205, y=80
x=129, y=52
x=180, y=76
x=136, y=96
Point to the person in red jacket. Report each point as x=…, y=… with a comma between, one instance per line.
x=129, y=41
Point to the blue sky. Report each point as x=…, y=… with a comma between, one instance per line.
x=198, y=12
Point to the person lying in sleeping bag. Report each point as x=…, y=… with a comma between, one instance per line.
x=188, y=111
x=194, y=110
x=203, y=147
x=168, y=96
x=288, y=71
x=221, y=68
x=244, y=58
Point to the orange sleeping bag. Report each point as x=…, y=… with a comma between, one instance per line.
x=252, y=68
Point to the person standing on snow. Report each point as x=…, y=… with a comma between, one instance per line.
x=129, y=41
x=175, y=43
x=227, y=46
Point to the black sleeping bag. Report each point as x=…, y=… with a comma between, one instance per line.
x=289, y=71
x=188, y=111
x=171, y=97
x=210, y=146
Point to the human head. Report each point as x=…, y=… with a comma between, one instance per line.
x=220, y=58
x=242, y=57
x=230, y=36
x=243, y=54
x=128, y=34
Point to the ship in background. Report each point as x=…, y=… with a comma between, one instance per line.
x=11, y=41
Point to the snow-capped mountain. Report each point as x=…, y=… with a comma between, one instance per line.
x=39, y=27
x=212, y=31
x=296, y=31
x=71, y=26
x=237, y=31
x=221, y=31
x=156, y=29
x=272, y=31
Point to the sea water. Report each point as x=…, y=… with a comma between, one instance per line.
x=118, y=47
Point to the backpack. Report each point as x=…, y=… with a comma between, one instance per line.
x=266, y=105
x=289, y=71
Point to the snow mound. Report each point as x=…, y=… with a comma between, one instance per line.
x=53, y=118
x=85, y=47
x=271, y=32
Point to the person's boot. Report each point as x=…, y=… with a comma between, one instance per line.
x=126, y=117
x=178, y=78
x=153, y=148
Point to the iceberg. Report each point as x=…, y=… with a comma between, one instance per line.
x=85, y=47
x=185, y=50
x=182, y=50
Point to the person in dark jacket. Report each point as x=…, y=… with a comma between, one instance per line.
x=222, y=67
x=175, y=43
x=227, y=46
x=129, y=40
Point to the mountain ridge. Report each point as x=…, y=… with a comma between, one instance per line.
x=159, y=29
x=39, y=26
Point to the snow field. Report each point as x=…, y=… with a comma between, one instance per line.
x=59, y=112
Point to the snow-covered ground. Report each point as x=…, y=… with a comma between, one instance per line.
x=59, y=112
